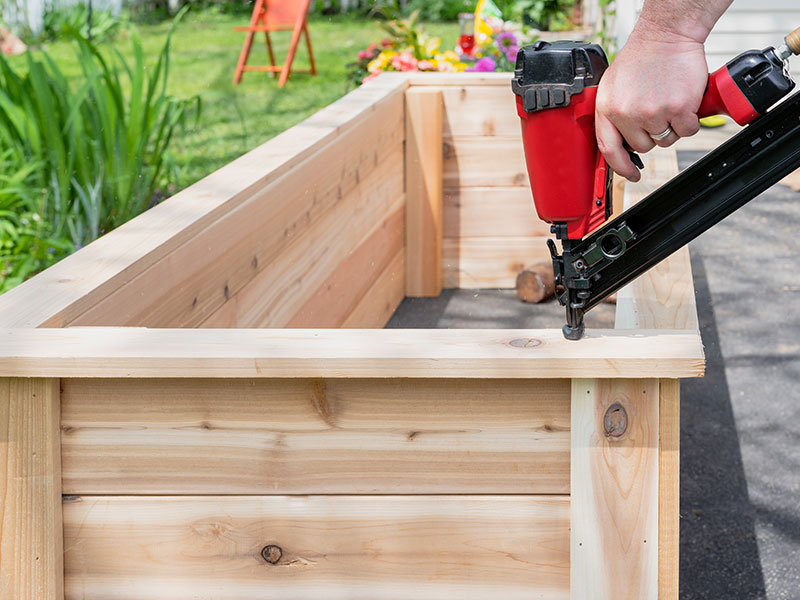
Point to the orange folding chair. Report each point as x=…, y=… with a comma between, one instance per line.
x=276, y=15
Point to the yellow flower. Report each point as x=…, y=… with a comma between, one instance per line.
x=382, y=61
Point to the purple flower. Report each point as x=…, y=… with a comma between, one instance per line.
x=484, y=65
x=507, y=40
x=508, y=44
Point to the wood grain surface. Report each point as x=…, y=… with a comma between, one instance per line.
x=292, y=436
x=338, y=353
x=490, y=262
x=614, y=491
x=423, y=169
x=31, y=551
x=361, y=548
x=339, y=296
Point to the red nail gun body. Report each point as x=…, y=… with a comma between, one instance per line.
x=556, y=88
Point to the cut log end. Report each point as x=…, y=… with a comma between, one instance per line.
x=535, y=283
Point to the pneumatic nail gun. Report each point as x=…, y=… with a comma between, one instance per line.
x=556, y=87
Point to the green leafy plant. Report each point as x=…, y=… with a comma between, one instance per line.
x=60, y=21
x=545, y=14
x=97, y=132
x=408, y=33
x=27, y=244
x=441, y=10
x=608, y=13
x=99, y=147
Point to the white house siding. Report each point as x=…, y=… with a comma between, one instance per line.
x=753, y=24
x=747, y=24
x=31, y=12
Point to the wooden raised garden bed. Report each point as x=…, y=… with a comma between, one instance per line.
x=195, y=406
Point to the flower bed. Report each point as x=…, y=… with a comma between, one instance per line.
x=410, y=49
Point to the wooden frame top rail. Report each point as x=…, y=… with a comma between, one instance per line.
x=281, y=353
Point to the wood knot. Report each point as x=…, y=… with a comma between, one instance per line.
x=271, y=553
x=615, y=421
x=525, y=343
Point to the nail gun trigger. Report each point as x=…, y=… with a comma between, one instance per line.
x=636, y=159
x=553, y=250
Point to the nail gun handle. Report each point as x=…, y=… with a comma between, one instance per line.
x=746, y=87
x=723, y=97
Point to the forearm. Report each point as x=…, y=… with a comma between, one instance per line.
x=670, y=19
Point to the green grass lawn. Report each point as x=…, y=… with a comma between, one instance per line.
x=236, y=119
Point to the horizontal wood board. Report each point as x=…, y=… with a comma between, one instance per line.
x=491, y=231
x=273, y=297
x=339, y=296
x=383, y=297
x=354, y=547
x=295, y=436
x=490, y=262
x=417, y=353
x=258, y=262
x=481, y=212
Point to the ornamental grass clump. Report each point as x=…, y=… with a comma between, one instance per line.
x=98, y=146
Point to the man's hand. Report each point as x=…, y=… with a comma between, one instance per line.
x=656, y=82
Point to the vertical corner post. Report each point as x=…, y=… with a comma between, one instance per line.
x=614, y=489
x=669, y=488
x=31, y=531
x=424, y=191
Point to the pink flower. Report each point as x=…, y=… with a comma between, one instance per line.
x=484, y=65
x=372, y=48
x=404, y=62
x=365, y=55
x=387, y=43
x=425, y=65
x=372, y=75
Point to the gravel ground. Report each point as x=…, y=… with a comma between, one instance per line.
x=740, y=425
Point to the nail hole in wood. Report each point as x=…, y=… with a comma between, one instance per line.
x=272, y=554
x=615, y=421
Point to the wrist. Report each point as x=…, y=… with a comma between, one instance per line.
x=652, y=29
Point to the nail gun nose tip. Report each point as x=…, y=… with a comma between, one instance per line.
x=573, y=333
